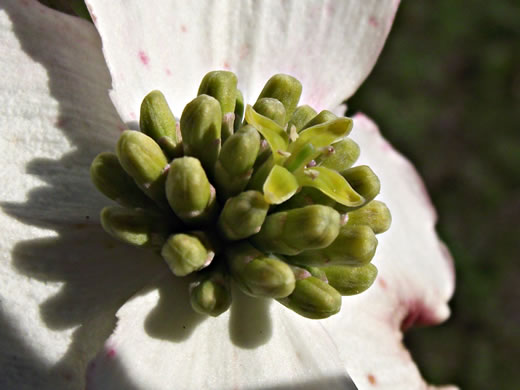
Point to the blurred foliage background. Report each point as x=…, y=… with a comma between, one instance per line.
x=446, y=93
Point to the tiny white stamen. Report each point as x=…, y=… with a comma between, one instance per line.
x=178, y=130
x=300, y=273
x=229, y=119
x=328, y=150
x=293, y=134
x=312, y=173
x=166, y=169
x=209, y=259
x=283, y=153
x=193, y=285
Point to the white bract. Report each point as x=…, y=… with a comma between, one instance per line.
x=64, y=282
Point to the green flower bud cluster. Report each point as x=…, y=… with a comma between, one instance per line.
x=264, y=196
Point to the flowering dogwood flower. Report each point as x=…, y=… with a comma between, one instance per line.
x=70, y=295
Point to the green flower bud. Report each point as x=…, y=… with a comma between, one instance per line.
x=313, y=298
x=186, y=253
x=143, y=159
x=222, y=85
x=364, y=181
x=243, y=215
x=239, y=109
x=301, y=116
x=170, y=147
x=340, y=156
x=189, y=192
x=245, y=141
x=267, y=277
x=110, y=179
x=201, y=123
x=316, y=272
x=263, y=154
x=136, y=227
x=228, y=126
x=293, y=231
x=301, y=273
x=235, y=164
x=284, y=88
x=350, y=280
x=259, y=275
x=374, y=214
x=355, y=245
x=260, y=175
x=211, y=296
x=272, y=109
x=156, y=119
x=322, y=117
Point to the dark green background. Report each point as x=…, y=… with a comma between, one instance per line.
x=446, y=93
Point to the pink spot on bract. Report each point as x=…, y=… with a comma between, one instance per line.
x=184, y=28
x=386, y=146
x=418, y=315
x=243, y=52
x=371, y=379
x=94, y=18
x=145, y=60
x=168, y=72
x=226, y=65
x=111, y=352
x=368, y=124
x=132, y=115
x=373, y=21
x=315, y=11
x=382, y=283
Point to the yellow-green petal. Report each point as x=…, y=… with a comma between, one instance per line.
x=273, y=133
x=280, y=185
x=319, y=136
x=331, y=183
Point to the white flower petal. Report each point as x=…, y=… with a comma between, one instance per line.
x=61, y=277
x=415, y=280
x=160, y=343
x=330, y=46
